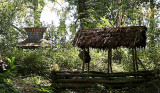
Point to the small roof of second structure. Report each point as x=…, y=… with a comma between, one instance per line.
x=129, y=37
x=35, y=38
x=34, y=43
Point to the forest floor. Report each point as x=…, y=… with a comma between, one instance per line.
x=38, y=84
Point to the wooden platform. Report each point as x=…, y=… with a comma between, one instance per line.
x=68, y=79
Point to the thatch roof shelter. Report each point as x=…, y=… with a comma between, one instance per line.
x=129, y=37
x=35, y=38
x=108, y=38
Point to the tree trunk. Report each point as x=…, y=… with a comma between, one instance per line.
x=151, y=33
x=119, y=17
x=82, y=12
x=36, y=14
x=151, y=30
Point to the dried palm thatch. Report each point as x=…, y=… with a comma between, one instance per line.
x=129, y=37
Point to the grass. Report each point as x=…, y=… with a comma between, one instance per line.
x=31, y=84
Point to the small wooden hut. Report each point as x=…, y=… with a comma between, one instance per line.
x=110, y=38
x=35, y=38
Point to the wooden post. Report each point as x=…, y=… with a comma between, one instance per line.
x=133, y=57
x=110, y=60
x=88, y=67
x=83, y=61
x=135, y=52
x=89, y=62
x=54, y=78
x=141, y=64
x=0, y=56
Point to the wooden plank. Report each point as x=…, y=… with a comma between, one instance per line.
x=90, y=85
x=102, y=75
x=99, y=81
x=69, y=85
x=94, y=85
x=98, y=72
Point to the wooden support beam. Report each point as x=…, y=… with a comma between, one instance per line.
x=93, y=85
x=141, y=63
x=106, y=75
x=54, y=78
x=110, y=60
x=135, y=52
x=133, y=58
x=86, y=59
x=83, y=61
x=89, y=62
x=88, y=67
x=97, y=72
x=79, y=80
x=87, y=81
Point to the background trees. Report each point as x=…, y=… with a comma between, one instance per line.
x=16, y=14
x=90, y=14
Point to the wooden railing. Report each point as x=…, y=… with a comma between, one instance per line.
x=68, y=79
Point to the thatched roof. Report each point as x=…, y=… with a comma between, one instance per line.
x=134, y=36
x=34, y=43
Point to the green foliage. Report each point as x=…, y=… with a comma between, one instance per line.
x=45, y=90
x=7, y=88
x=11, y=63
x=10, y=69
x=62, y=55
x=67, y=58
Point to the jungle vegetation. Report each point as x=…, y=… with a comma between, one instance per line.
x=22, y=76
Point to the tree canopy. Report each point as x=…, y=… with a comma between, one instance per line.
x=85, y=14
